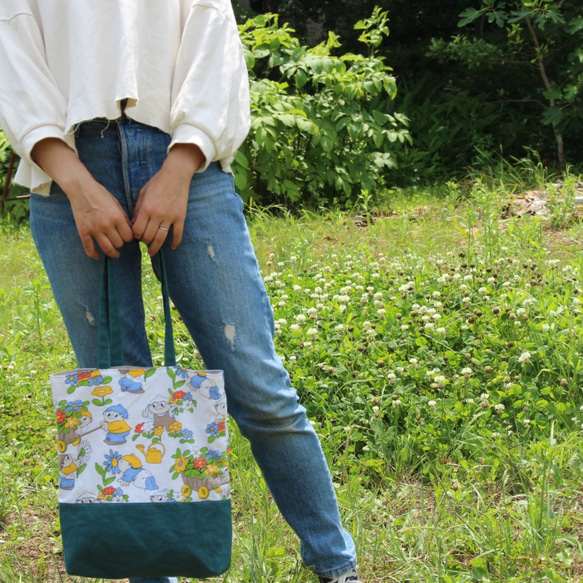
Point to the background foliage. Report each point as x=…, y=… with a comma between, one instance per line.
x=478, y=82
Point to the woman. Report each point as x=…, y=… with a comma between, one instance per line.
x=127, y=117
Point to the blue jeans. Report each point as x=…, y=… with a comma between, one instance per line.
x=214, y=282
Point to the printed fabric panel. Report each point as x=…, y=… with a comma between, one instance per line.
x=134, y=435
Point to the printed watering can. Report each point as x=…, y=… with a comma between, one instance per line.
x=153, y=455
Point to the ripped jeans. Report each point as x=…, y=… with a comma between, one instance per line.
x=214, y=282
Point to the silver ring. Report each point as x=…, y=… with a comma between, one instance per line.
x=162, y=228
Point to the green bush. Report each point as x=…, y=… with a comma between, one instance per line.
x=13, y=210
x=322, y=131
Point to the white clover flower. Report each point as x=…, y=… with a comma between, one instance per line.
x=466, y=299
x=378, y=296
x=499, y=408
x=468, y=277
x=440, y=331
x=366, y=325
x=404, y=327
x=440, y=379
x=467, y=371
x=312, y=312
x=293, y=358
x=429, y=326
x=391, y=376
x=527, y=422
x=483, y=290
x=339, y=327
x=436, y=294
x=312, y=332
x=293, y=258
x=307, y=344
x=436, y=316
x=524, y=357
x=300, y=318
x=415, y=361
x=297, y=288
x=491, y=280
x=484, y=396
x=295, y=328
x=396, y=402
x=431, y=404
x=282, y=303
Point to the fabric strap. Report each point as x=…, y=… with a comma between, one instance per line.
x=110, y=345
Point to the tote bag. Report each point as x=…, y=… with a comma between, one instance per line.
x=143, y=461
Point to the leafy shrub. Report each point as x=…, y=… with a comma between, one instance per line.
x=321, y=129
x=14, y=210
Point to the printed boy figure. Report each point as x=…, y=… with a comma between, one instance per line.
x=158, y=411
x=134, y=473
x=205, y=386
x=115, y=425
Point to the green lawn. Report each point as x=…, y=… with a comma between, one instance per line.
x=437, y=346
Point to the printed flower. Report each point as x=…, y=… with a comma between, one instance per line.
x=186, y=490
x=72, y=422
x=222, y=426
x=84, y=375
x=212, y=470
x=199, y=463
x=112, y=462
x=102, y=391
x=176, y=427
x=159, y=430
x=188, y=397
x=74, y=406
x=180, y=465
x=178, y=395
x=212, y=429
x=181, y=372
x=106, y=493
x=140, y=427
x=61, y=417
x=187, y=434
x=95, y=381
x=118, y=495
x=214, y=454
x=71, y=379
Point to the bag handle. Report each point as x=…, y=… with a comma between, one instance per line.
x=110, y=346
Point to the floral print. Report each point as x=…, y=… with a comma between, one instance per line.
x=146, y=439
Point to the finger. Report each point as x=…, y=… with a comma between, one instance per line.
x=106, y=246
x=125, y=231
x=177, y=231
x=89, y=246
x=158, y=241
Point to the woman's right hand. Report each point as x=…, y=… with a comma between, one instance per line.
x=98, y=215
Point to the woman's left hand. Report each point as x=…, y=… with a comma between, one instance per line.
x=163, y=200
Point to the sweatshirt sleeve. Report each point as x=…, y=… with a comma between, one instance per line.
x=210, y=93
x=31, y=106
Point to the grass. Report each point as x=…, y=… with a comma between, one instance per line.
x=436, y=345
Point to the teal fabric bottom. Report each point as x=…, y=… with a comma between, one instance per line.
x=116, y=541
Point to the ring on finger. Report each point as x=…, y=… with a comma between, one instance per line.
x=163, y=228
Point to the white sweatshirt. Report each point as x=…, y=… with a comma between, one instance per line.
x=179, y=63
